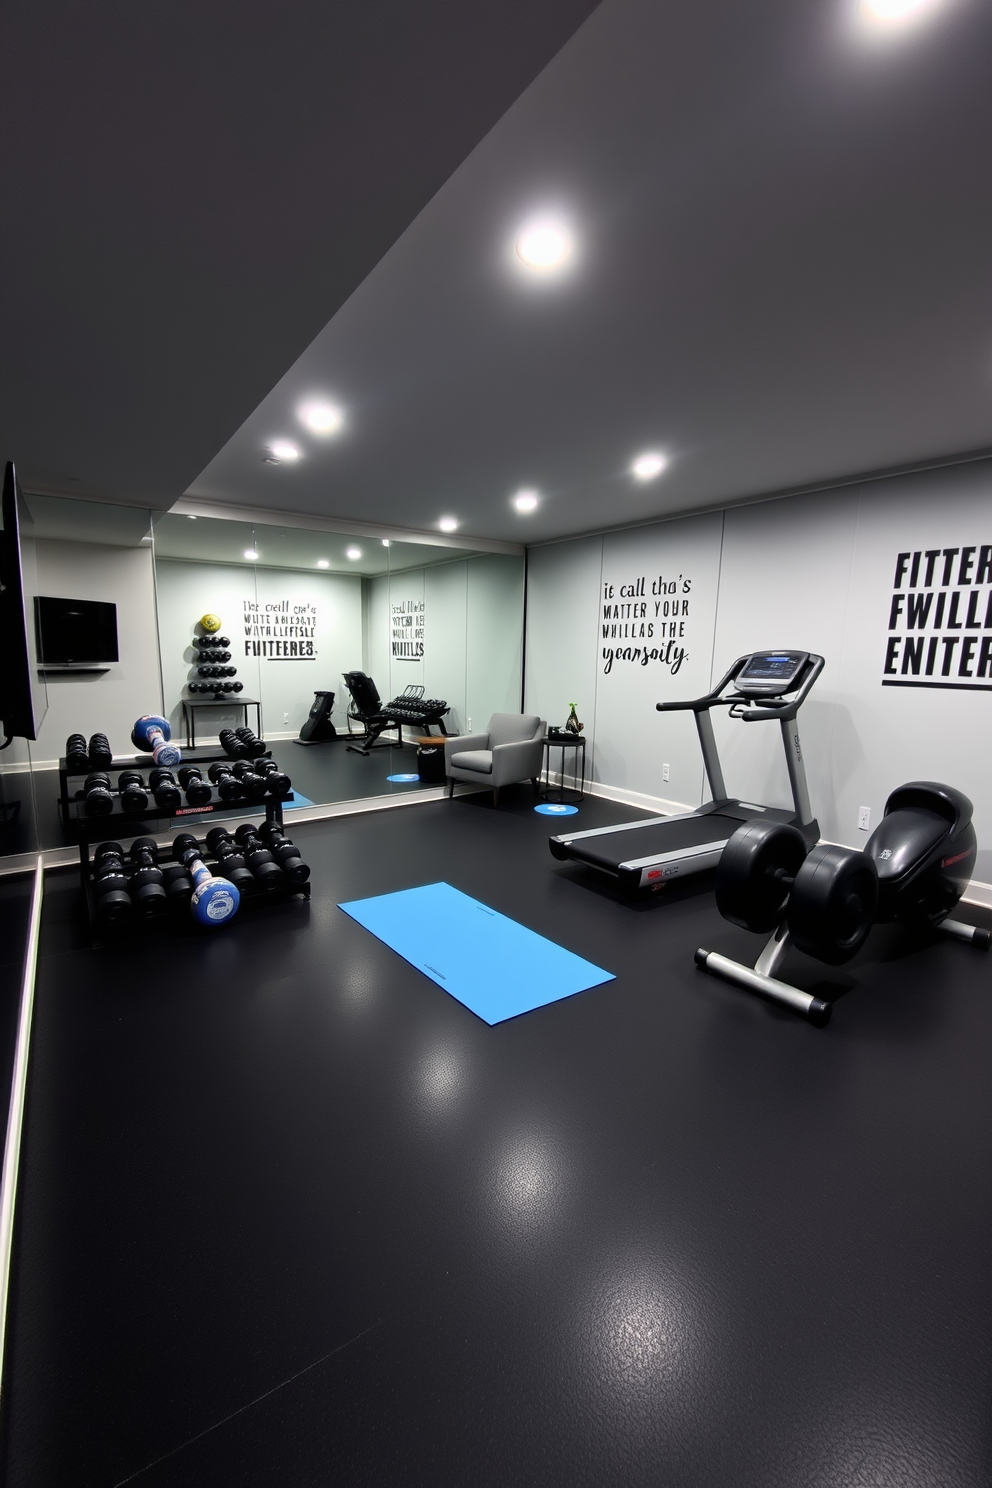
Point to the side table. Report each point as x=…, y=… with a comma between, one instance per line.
x=562, y=792
x=191, y=706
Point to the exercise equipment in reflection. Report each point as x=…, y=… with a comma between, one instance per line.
x=913, y=870
x=318, y=728
x=368, y=709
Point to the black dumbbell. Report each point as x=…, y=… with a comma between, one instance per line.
x=134, y=797
x=252, y=741
x=101, y=756
x=98, y=798
x=253, y=785
x=232, y=746
x=111, y=898
x=284, y=851
x=147, y=887
x=77, y=759
x=206, y=671
x=162, y=784
x=237, y=687
x=268, y=874
x=229, y=788
x=197, y=790
x=277, y=783
x=178, y=885
x=230, y=860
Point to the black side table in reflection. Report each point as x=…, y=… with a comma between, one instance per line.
x=562, y=792
x=192, y=706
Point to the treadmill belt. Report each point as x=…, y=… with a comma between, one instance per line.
x=630, y=845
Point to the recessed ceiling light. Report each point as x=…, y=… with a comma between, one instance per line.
x=878, y=13
x=320, y=417
x=353, y=553
x=322, y=563
x=544, y=244
x=385, y=542
x=525, y=501
x=251, y=555
x=448, y=524
x=648, y=465
x=284, y=449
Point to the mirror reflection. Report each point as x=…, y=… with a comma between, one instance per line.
x=351, y=657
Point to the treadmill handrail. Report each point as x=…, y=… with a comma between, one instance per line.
x=786, y=709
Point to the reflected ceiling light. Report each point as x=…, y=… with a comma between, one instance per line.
x=648, y=465
x=320, y=417
x=353, y=553
x=322, y=563
x=284, y=449
x=896, y=12
x=251, y=555
x=448, y=524
x=192, y=519
x=544, y=244
x=385, y=542
x=526, y=501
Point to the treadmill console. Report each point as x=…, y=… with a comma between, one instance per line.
x=771, y=673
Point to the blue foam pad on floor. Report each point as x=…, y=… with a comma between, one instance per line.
x=296, y=800
x=496, y=967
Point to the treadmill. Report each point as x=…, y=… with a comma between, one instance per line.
x=646, y=854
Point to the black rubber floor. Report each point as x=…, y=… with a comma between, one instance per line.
x=292, y=1216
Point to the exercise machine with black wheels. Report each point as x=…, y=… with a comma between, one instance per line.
x=645, y=855
x=913, y=870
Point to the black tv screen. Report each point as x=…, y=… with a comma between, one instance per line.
x=74, y=631
x=23, y=695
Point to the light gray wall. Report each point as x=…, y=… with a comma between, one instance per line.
x=473, y=636
x=108, y=702
x=188, y=590
x=812, y=573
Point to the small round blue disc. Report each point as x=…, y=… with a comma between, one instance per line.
x=403, y=777
x=556, y=808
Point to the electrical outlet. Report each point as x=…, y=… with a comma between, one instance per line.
x=864, y=818
x=665, y=772
x=285, y=718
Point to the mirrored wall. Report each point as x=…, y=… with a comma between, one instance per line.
x=299, y=611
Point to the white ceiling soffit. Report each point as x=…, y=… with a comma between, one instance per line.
x=189, y=191
x=781, y=278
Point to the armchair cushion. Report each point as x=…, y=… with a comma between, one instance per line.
x=480, y=760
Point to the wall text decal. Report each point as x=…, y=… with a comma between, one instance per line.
x=656, y=621
x=408, y=630
x=940, y=620
x=280, y=631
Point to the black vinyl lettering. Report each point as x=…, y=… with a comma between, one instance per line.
x=918, y=608
x=912, y=655
x=966, y=565
x=985, y=657
x=949, y=643
x=892, y=655
x=949, y=556
x=953, y=623
x=931, y=555
x=968, y=645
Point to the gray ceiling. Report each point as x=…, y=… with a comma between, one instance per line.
x=783, y=280
x=190, y=190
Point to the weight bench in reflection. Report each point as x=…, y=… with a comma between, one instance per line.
x=368, y=709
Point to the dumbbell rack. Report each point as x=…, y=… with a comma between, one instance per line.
x=119, y=825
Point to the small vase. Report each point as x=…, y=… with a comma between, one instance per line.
x=572, y=724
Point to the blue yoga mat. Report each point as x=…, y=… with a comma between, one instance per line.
x=494, y=966
x=295, y=800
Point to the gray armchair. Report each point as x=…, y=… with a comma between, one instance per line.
x=511, y=749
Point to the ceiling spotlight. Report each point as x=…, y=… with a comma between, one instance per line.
x=544, y=244
x=283, y=449
x=889, y=13
x=353, y=553
x=320, y=417
x=251, y=555
x=385, y=542
x=322, y=563
x=648, y=465
x=525, y=501
x=448, y=524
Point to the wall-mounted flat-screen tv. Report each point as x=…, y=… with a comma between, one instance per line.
x=75, y=632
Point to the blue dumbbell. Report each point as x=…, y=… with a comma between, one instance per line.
x=153, y=732
x=214, y=900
